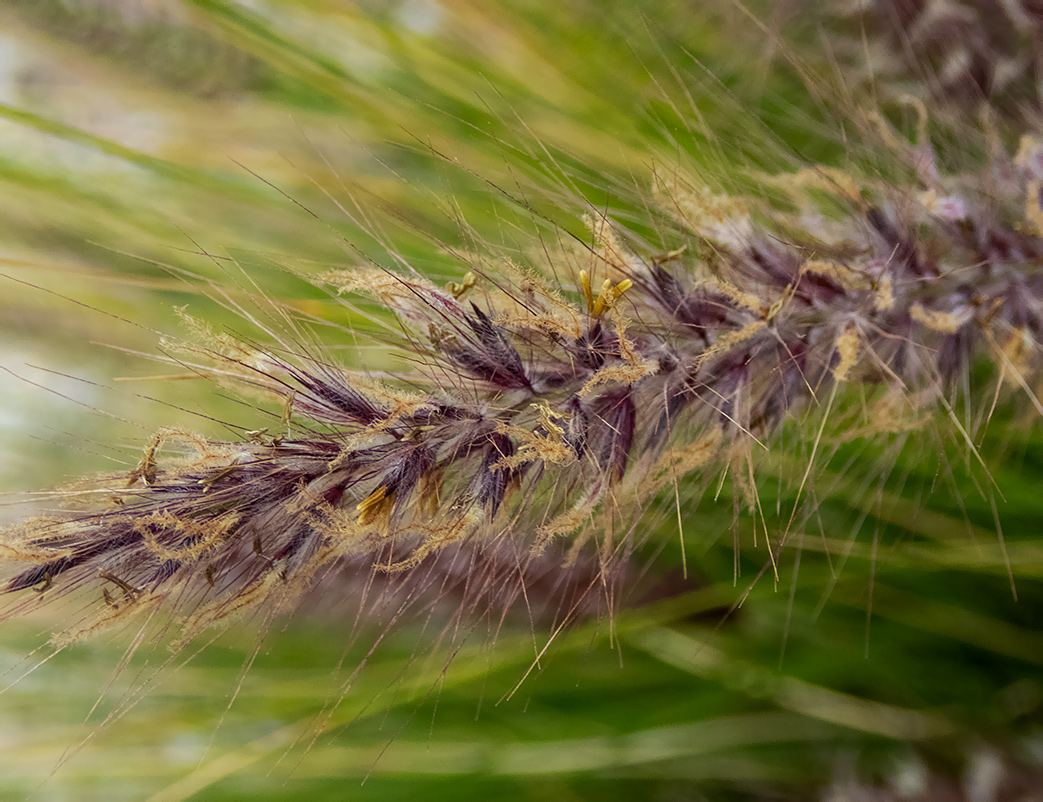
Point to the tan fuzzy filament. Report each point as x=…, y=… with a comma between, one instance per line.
x=943, y=322
x=847, y=352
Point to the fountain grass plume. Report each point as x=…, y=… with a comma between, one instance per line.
x=530, y=445
x=551, y=404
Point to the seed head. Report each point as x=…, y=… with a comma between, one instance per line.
x=543, y=416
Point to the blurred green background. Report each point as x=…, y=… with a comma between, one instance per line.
x=156, y=155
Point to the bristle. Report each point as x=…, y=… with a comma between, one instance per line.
x=962, y=53
x=519, y=433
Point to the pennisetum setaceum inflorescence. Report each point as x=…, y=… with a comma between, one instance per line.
x=543, y=413
x=539, y=409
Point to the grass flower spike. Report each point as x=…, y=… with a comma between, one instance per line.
x=729, y=385
x=539, y=414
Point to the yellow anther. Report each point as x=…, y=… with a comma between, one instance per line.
x=602, y=299
x=609, y=295
x=669, y=256
x=548, y=416
x=430, y=494
x=373, y=505
x=588, y=293
x=458, y=291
